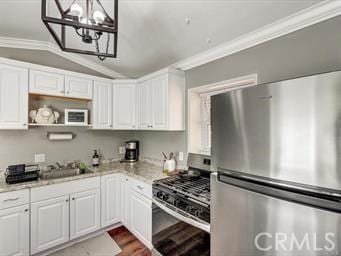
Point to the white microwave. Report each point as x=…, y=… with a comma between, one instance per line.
x=76, y=116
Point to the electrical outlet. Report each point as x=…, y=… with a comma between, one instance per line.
x=181, y=156
x=39, y=158
x=122, y=150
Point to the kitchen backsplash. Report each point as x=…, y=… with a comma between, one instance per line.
x=21, y=146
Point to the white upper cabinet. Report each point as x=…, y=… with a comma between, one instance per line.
x=78, y=87
x=161, y=101
x=14, y=231
x=124, y=106
x=84, y=213
x=159, y=110
x=47, y=83
x=102, y=105
x=144, y=104
x=13, y=97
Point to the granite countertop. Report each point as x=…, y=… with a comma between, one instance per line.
x=141, y=170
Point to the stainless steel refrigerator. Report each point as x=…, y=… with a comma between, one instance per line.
x=277, y=151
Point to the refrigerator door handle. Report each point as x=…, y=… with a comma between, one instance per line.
x=326, y=199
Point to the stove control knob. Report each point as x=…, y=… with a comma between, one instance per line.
x=198, y=213
x=165, y=197
x=176, y=202
x=159, y=194
x=189, y=209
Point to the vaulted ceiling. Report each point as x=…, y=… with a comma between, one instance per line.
x=154, y=34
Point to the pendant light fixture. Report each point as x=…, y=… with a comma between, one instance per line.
x=87, y=19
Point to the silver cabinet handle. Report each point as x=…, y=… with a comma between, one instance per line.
x=73, y=198
x=62, y=91
x=11, y=199
x=67, y=92
x=139, y=187
x=67, y=200
x=26, y=210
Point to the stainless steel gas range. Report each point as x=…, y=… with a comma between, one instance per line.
x=181, y=211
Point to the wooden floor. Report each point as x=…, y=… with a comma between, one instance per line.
x=128, y=243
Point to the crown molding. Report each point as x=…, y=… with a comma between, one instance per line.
x=305, y=18
x=10, y=42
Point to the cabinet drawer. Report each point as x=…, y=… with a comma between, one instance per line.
x=141, y=188
x=65, y=188
x=15, y=198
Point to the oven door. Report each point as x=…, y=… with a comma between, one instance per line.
x=174, y=233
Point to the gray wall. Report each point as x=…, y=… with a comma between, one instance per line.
x=312, y=50
x=20, y=146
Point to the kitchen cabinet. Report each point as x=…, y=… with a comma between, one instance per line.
x=14, y=231
x=13, y=97
x=110, y=197
x=84, y=213
x=125, y=200
x=78, y=87
x=49, y=223
x=124, y=105
x=144, y=104
x=161, y=101
x=47, y=83
x=141, y=217
x=159, y=111
x=102, y=105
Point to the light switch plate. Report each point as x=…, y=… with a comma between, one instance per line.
x=39, y=158
x=122, y=150
x=181, y=156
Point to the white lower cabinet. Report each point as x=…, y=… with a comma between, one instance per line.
x=49, y=223
x=84, y=213
x=110, y=196
x=141, y=217
x=14, y=231
x=125, y=201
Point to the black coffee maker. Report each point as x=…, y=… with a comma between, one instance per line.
x=132, y=151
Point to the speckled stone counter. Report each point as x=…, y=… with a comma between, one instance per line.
x=143, y=171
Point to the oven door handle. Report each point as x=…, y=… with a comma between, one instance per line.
x=196, y=223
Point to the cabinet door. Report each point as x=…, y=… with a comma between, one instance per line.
x=159, y=110
x=84, y=213
x=111, y=195
x=47, y=83
x=144, y=105
x=125, y=200
x=77, y=87
x=49, y=223
x=13, y=97
x=124, y=110
x=14, y=231
x=141, y=217
x=102, y=105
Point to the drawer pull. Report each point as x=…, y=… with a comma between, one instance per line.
x=11, y=199
x=139, y=187
x=26, y=210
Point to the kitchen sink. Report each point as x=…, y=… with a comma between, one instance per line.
x=63, y=173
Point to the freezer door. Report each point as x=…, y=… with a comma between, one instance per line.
x=289, y=130
x=249, y=223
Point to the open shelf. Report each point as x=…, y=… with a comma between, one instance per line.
x=59, y=125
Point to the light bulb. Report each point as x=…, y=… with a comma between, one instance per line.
x=98, y=17
x=76, y=10
x=85, y=21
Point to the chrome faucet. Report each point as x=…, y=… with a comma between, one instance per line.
x=59, y=165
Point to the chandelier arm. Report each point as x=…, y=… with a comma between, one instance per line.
x=69, y=8
x=106, y=14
